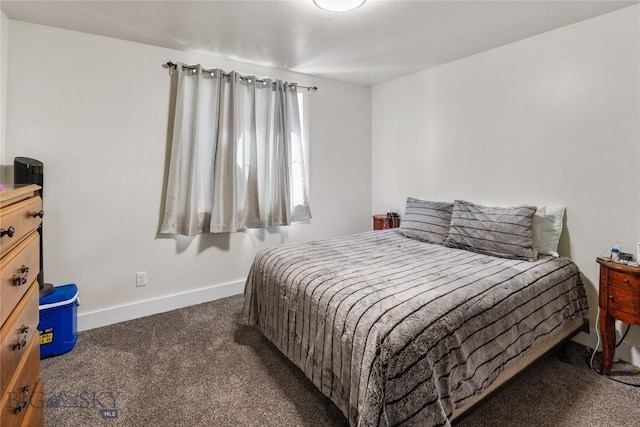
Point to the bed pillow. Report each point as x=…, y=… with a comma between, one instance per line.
x=502, y=232
x=551, y=231
x=426, y=220
x=538, y=221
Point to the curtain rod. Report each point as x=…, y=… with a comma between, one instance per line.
x=171, y=64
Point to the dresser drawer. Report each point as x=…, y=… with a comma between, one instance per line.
x=18, y=269
x=624, y=281
x=18, y=398
x=624, y=303
x=16, y=333
x=18, y=220
x=35, y=410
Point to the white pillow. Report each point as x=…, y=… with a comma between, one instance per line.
x=538, y=220
x=551, y=231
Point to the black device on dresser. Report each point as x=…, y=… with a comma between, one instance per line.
x=31, y=171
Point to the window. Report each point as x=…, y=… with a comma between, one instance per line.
x=238, y=158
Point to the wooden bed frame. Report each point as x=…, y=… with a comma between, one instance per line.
x=520, y=366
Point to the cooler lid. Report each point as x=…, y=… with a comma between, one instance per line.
x=61, y=295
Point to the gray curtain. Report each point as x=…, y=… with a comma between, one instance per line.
x=237, y=158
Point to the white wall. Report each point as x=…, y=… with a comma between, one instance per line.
x=4, y=39
x=550, y=120
x=95, y=111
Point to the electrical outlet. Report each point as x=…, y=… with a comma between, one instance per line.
x=141, y=279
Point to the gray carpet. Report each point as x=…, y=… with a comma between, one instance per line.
x=199, y=367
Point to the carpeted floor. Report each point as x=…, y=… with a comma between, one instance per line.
x=199, y=367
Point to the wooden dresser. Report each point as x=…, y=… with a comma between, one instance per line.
x=21, y=388
x=619, y=299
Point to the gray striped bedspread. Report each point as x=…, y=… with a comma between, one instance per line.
x=398, y=332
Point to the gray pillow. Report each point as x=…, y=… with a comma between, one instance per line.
x=426, y=220
x=501, y=232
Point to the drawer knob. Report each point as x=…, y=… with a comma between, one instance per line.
x=21, y=279
x=8, y=232
x=38, y=214
x=18, y=407
x=612, y=298
x=19, y=345
x=626, y=281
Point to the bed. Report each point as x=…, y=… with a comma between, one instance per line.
x=396, y=330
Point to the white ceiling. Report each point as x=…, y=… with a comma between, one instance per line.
x=380, y=41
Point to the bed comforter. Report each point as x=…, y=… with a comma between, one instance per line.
x=396, y=331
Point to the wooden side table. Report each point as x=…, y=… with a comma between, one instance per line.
x=384, y=222
x=619, y=299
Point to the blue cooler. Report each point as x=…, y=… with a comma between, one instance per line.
x=58, y=321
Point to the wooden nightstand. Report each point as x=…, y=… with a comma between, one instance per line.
x=619, y=300
x=384, y=222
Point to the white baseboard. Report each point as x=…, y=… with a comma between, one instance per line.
x=136, y=310
x=626, y=352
